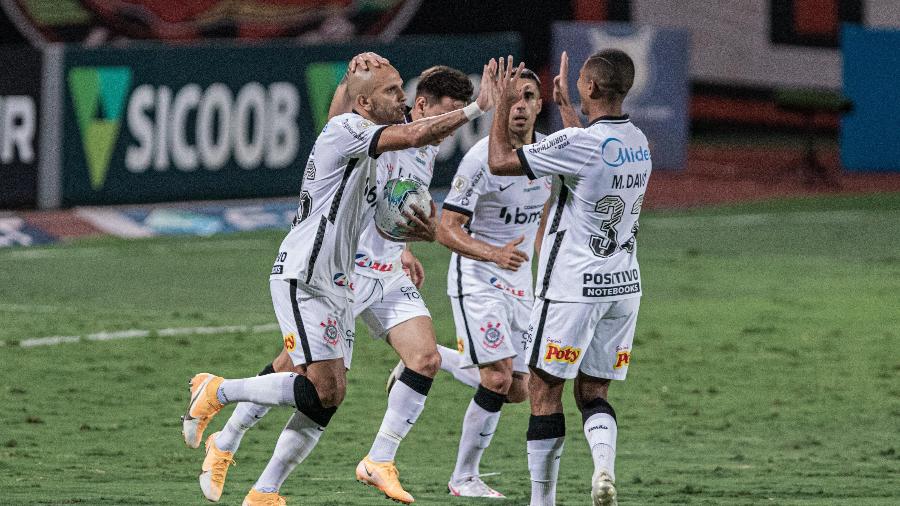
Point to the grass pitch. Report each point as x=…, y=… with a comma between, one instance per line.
x=765, y=370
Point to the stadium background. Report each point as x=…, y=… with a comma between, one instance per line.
x=766, y=362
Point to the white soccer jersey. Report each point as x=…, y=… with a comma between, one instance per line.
x=319, y=249
x=589, y=252
x=376, y=257
x=500, y=209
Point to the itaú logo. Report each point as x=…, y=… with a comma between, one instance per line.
x=615, y=153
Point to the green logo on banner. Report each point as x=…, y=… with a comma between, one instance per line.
x=321, y=81
x=99, y=97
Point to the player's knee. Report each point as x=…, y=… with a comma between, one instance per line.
x=496, y=380
x=319, y=403
x=518, y=390
x=426, y=363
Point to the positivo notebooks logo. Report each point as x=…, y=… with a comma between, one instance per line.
x=321, y=81
x=99, y=97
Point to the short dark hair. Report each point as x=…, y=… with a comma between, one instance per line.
x=612, y=70
x=441, y=81
x=530, y=74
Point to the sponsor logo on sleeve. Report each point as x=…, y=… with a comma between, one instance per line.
x=460, y=183
x=290, y=342
x=558, y=142
x=460, y=345
x=566, y=354
x=493, y=337
x=330, y=333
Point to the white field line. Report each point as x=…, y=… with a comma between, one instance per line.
x=141, y=333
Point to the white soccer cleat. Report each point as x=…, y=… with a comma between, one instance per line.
x=473, y=487
x=394, y=376
x=603, y=490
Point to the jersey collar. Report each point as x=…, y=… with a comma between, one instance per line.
x=611, y=119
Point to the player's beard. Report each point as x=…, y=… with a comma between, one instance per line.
x=389, y=113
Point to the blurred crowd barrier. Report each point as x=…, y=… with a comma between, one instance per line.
x=157, y=123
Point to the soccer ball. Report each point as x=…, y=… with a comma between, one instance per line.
x=397, y=196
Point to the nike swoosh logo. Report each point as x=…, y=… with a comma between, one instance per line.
x=482, y=434
x=411, y=423
x=506, y=187
x=367, y=470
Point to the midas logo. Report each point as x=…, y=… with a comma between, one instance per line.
x=98, y=94
x=321, y=81
x=557, y=354
x=622, y=359
x=290, y=342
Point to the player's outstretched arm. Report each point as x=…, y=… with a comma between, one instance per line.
x=341, y=102
x=451, y=234
x=434, y=129
x=502, y=158
x=567, y=112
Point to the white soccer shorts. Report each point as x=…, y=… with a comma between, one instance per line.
x=384, y=303
x=314, y=327
x=491, y=326
x=592, y=337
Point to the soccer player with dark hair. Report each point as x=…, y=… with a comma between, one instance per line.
x=490, y=223
x=589, y=283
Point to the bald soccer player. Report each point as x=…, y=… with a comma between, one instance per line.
x=310, y=278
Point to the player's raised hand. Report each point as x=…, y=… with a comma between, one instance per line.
x=561, y=95
x=509, y=257
x=422, y=226
x=509, y=80
x=366, y=61
x=487, y=92
x=561, y=83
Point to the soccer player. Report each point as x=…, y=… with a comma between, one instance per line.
x=490, y=223
x=310, y=281
x=582, y=324
x=386, y=297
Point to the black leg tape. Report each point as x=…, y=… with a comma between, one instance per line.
x=489, y=400
x=307, y=401
x=546, y=426
x=269, y=369
x=416, y=381
x=596, y=406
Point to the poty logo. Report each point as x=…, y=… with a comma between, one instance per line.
x=616, y=154
x=290, y=342
x=622, y=359
x=566, y=354
x=98, y=94
x=321, y=81
x=340, y=279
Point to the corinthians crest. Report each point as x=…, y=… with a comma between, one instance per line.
x=493, y=338
x=331, y=332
